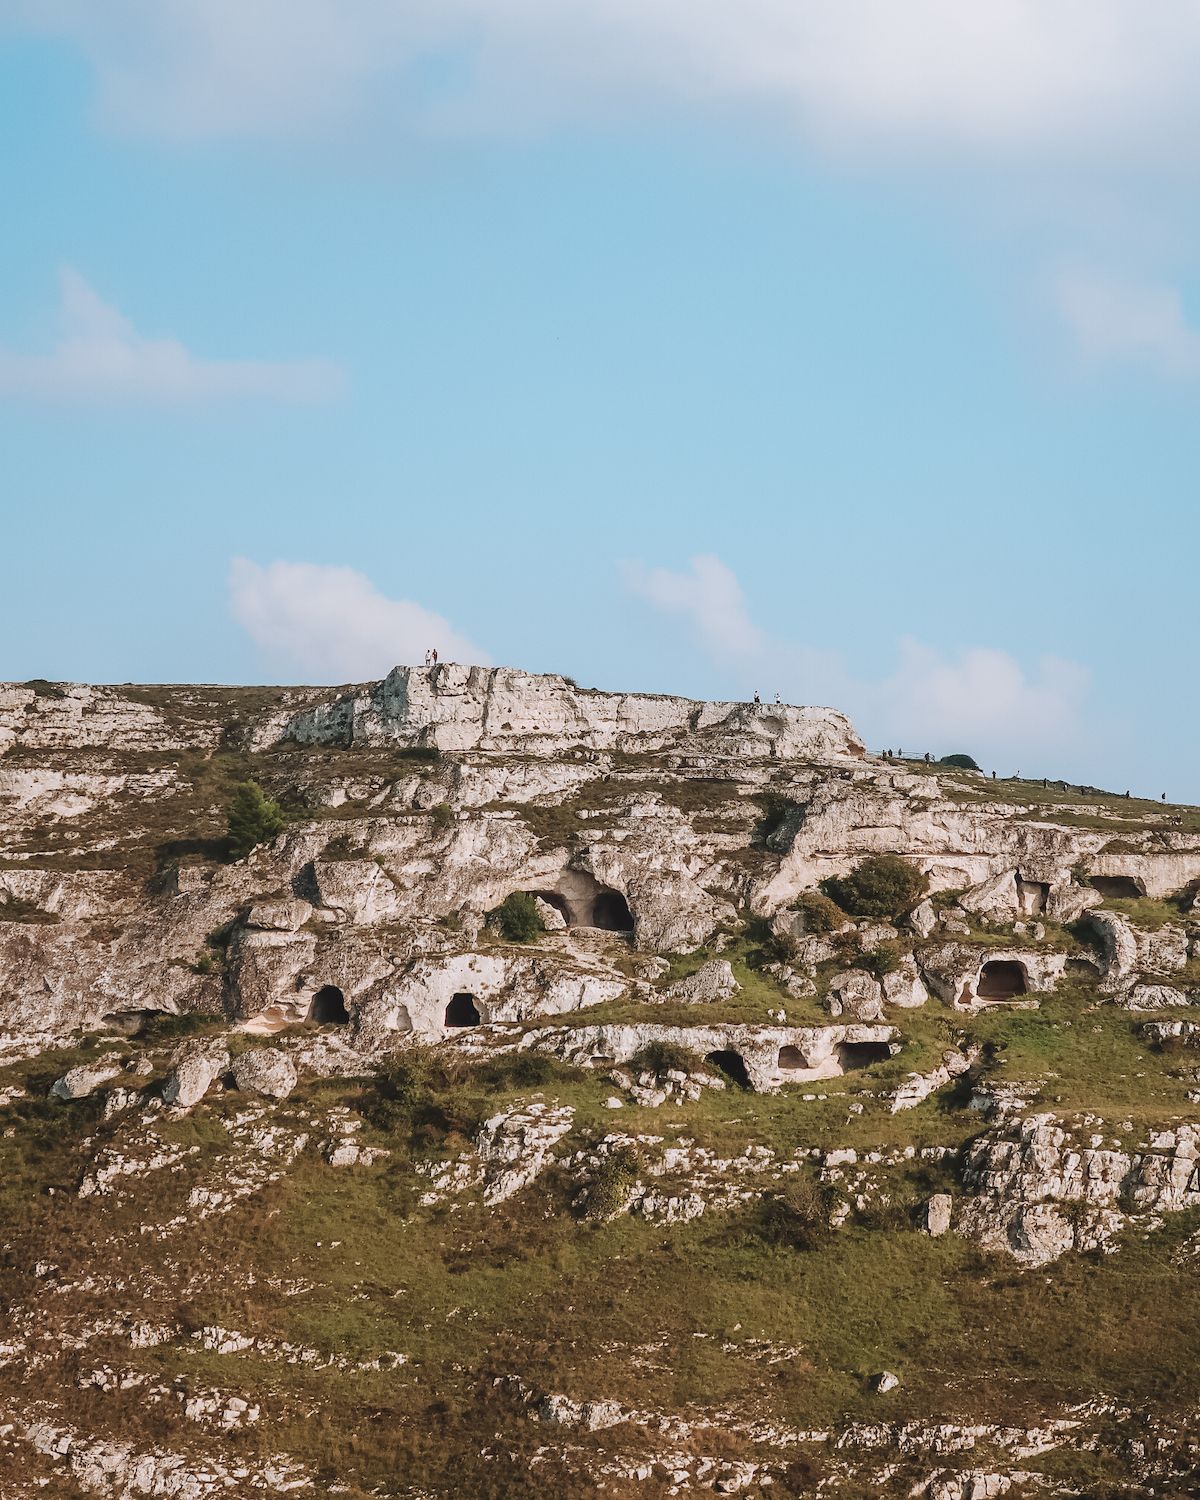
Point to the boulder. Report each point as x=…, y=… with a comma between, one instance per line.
x=885, y=1381
x=855, y=994
x=552, y=919
x=265, y=1070
x=713, y=981
x=79, y=1082
x=937, y=1215
x=197, y=1066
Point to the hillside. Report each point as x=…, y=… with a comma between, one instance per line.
x=525, y=1118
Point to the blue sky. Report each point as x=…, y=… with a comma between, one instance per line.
x=606, y=340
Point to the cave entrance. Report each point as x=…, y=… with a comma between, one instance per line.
x=855, y=1055
x=328, y=1007
x=790, y=1058
x=731, y=1064
x=1001, y=979
x=610, y=912
x=1117, y=887
x=462, y=1011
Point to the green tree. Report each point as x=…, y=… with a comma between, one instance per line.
x=518, y=918
x=253, y=818
x=960, y=762
x=883, y=886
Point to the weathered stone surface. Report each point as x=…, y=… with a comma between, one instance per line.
x=79, y=1082
x=197, y=1066
x=855, y=994
x=264, y=1070
x=712, y=981
x=937, y=1214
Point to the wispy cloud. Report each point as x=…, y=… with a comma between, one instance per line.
x=331, y=624
x=1030, y=77
x=100, y=356
x=708, y=596
x=979, y=699
x=1120, y=322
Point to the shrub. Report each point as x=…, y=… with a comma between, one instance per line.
x=443, y=816
x=817, y=912
x=797, y=1216
x=518, y=918
x=776, y=809
x=883, y=886
x=960, y=762
x=401, y=1085
x=881, y=961
x=253, y=819
x=519, y=1070
x=661, y=1058
x=422, y=754
x=608, y=1192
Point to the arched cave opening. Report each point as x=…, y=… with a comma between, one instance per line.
x=462, y=1011
x=791, y=1057
x=1117, y=887
x=1001, y=979
x=730, y=1063
x=610, y=912
x=854, y=1055
x=328, y=1007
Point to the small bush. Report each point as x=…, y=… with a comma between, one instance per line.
x=401, y=1085
x=661, y=1058
x=960, y=762
x=422, y=754
x=519, y=1070
x=883, y=886
x=253, y=819
x=443, y=816
x=608, y=1192
x=817, y=912
x=798, y=1215
x=776, y=809
x=518, y=918
x=882, y=961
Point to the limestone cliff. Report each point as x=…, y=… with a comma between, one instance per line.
x=687, y=1053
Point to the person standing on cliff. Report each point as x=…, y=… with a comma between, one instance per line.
x=433, y=657
x=428, y=657
x=757, y=699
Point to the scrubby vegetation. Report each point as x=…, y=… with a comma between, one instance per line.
x=517, y=918
x=253, y=819
x=882, y=886
x=817, y=912
x=661, y=1058
x=960, y=762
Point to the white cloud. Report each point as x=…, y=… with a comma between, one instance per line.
x=980, y=700
x=332, y=625
x=1032, y=77
x=100, y=356
x=709, y=597
x=1115, y=321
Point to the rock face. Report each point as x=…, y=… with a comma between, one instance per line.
x=457, y=708
x=1039, y=1190
x=399, y=1135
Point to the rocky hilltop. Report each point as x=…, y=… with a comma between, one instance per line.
x=567, y=1092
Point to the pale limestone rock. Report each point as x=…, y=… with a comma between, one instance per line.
x=712, y=981
x=552, y=919
x=461, y=708
x=937, y=1215
x=855, y=994
x=885, y=1381
x=197, y=1066
x=79, y=1082
x=904, y=987
x=264, y=1070
x=923, y=919
x=279, y=916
